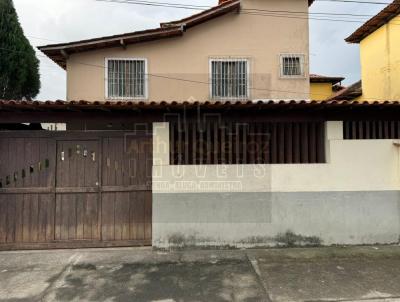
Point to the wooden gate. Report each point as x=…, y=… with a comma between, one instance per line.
x=70, y=190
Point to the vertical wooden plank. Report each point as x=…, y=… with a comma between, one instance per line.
x=367, y=129
x=360, y=130
x=42, y=217
x=229, y=143
x=386, y=130
x=3, y=218
x=288, y=143
x=65, y=208
x=148, y=210
x=281, y=143
x=353, y=129
x=58, y=218
x=72, y=200
x=321, y=156
x=222, y=149
x=216, y=144
x=10, y=218
x=26, y=211
x=187, y=143
x=296, y=144
x=209, y=143
x=251, y=149
x=313, y=143
x=34, y=227
x=304, y=143
x=108, y=216
x=245, y=135
x=118, y=215
x=50, y=198
x=125, y=221
x=194, y=143
x=19, y=223
x=380, y=130
x=392, y=130
x=172, y=143
x=274, y=143
x=259, y=143
x=266, y=143
x=201, y=143
x=374, y=133
x=80, y=215
x=137, y=215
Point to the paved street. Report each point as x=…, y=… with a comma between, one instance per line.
x=140, y=274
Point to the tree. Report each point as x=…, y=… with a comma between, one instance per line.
x=19, y=67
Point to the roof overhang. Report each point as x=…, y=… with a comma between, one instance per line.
x=385, y=16
x=325, y=79
x=59, y=53
x=139, y=112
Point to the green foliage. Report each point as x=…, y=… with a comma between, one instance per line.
x=19, y=67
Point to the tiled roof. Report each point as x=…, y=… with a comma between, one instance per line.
x=59, y=52
x=12, y=105
x=349, y=93
x=316, y=78
x=387, y=14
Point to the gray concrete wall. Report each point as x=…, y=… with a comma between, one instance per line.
x=256, y=219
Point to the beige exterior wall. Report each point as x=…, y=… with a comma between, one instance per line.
x=260, y=39
x=349, y=168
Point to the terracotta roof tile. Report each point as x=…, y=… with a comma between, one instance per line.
x=387, y=14
x=164, y=105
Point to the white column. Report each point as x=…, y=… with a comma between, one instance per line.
x=334, y=131
x=161, y=144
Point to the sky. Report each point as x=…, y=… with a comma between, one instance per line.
x=54, y=21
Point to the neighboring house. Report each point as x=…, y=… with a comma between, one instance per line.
x=323, y=87
x=227, y=52
x=379, y=40
x=155, y=160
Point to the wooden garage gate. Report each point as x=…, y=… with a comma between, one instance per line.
x=70, y=190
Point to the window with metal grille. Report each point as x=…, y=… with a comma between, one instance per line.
x=292, y=66
x=126, y=78
x=229, y=78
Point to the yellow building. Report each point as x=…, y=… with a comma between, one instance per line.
x=379, y=40
x=323, y=87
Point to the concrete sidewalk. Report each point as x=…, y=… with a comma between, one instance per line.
x=140, y=274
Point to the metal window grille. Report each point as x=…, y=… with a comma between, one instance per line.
x=126, y=78
x=229, y=79
x=292, y=65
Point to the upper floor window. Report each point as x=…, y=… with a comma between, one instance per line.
x=126, y=78
x=292, y=65
x=229, y=78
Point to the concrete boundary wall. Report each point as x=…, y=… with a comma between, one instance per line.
x=352, y=199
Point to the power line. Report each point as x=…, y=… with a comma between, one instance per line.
x=356, y=1
x=361, y=18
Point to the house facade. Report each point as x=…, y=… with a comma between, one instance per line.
x=231, y=51
x=154, y=158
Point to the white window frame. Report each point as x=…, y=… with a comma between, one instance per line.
x=146, y=78
x=229, y=59
x=302, y=65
